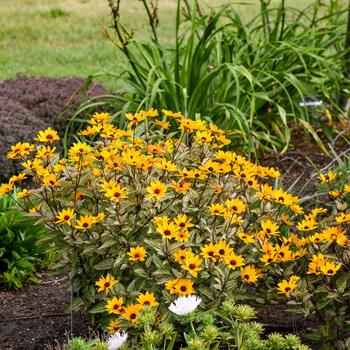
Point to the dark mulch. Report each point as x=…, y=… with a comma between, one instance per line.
x=303, y=160
x=28, y=105
x=38, y=316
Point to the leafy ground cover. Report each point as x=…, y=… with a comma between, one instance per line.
x=47, y=38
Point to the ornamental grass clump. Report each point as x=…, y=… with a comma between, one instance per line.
x=142, y=216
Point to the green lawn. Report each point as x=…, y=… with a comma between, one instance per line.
x=64, y=38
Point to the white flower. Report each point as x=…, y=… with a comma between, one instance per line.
x=184, y=305
x=116, y=340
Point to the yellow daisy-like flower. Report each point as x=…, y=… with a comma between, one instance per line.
x=106, y=283
x=223, y=249
x=115, y=305
x=147, y=299
x=116, y=193
x=184, y=287
x=183, y=222
x=180, y=255
x=5, y=188
x=49, y=135
x=182, y=236
x=167, y=229
x=217, y=209
x=234, y=261
x=209, y=252
x=131, y=312
x=250, y=274
x=156, y=190
x=137, y=254
x=192, y=264
x=114, y=326
x=235, y=205
x=329, y=268
x=65, y=216
x=329, y=177
x=287, y=287
x=51, y=180
x=269, y=228
x=163, y=124
x=20, y=149
x=182, y=186
x=24, y=193
x=85, y=222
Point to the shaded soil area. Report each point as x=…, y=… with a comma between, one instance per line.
x=300, y=164
x=38, y=316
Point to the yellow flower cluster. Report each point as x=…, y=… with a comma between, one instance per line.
x=173, y=210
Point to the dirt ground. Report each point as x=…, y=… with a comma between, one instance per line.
x=38, y=316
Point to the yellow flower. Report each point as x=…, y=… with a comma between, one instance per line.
x=32, y=164
x=329, y=268
x=334, y=194
x=315, y=264
x=20, y=149
x=233, y=261
x=250, y=274
x=163, y=124
x=45, y=152
x=116, y=193
x=192, y=263
x=269, y=228
x=48, y=135
x=147, y=299
x=167, y=230
x=180, y=255
x=245, y=237
x=171, y=114
x=347, y=188
x=50, y=180
x=65, y=216
x=209, y=252
x=341, y=218
x=79, y=150
x=182, y=235
x=114, y=305
x=217, y=209
x=137, y=254
x=106, y=283
x=236, y=205
x=156, y=190
x=85, y=222
x=287, y=287
x=131, y=312
x=5, y=188
x=325, y=179
x=203, y=137
x=181, y=186
x=183, y=222
x=17, y=178
x=222, y=249
x=24, y=193
x=307, y=224
x=184, y=287
x=334, y=234
x=135, y=119
x=114, y=326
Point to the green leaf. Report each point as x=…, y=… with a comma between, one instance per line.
x=106, y=264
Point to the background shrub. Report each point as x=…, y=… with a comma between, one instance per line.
x=245, y=75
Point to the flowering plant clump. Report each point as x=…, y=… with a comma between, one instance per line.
x=143, y=216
